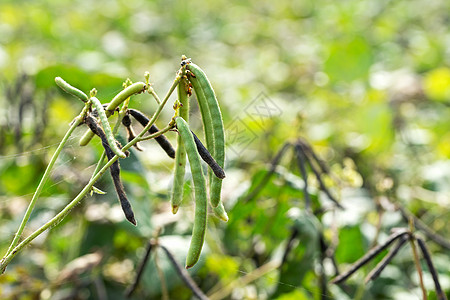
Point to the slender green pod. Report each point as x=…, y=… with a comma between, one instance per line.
x=71, y=90
x=135, y=88
x=180, y=154
x=199, y=230
x=105, y=124
x=208, y=97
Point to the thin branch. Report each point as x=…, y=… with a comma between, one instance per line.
x=323, y=282
x=61, y=215
x=438, y=239
x=328, y=252
x=140, y=270
x=309, y=150
x=426, y=254
x=369, y=256
x=290, y=243
x=184, y=275
x=78, y=120
x=162, y=279
x=416, y=259
x=152, y=92
x=266, y=178
x=301, y=164
x=319, y=178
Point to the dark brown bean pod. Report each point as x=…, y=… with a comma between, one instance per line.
x=207, y=158
x=386, y=260
x=114, y=169
x=161, y=140
x=126, y=121
x=368, y=256
x=426, y=254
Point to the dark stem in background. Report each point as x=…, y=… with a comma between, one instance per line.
x=438, y=239
x=318, y=175
x=426, y=254
x=301, y=164
x=161, y=140
x=184, y=275
x=140, y=270
x=273, y=166
x=290, y=243
x=114, y=169
x=307, y=148
x=328, y=252
x=323, y=282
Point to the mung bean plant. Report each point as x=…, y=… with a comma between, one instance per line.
x=95, y=116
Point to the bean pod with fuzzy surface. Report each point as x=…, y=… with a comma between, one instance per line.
x=180, y=154
x=107, y=128
x=213, y=125
x=199, y=230
x=135, y=88
x=71, y=90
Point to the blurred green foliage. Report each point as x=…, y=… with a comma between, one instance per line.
x=365, y=82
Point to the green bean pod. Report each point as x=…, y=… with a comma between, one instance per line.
x=220, y=212
x=180, y=154
x=199, y=230
x=71, y=90
x=207, y=98
x=135, y=88
x=105, y=124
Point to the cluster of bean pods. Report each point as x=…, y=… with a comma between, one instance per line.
x=188, y=145
x=213, y=154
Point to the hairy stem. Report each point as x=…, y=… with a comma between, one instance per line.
x=60, y=216
x=50, y=165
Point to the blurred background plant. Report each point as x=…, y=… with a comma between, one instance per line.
x=367, y=83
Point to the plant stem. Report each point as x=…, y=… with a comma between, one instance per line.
x=152, y=92
x=412, y=241
x=61, y=215
x=115, y=129
x=44, y=178
x=158, y=111
x=158, y=133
